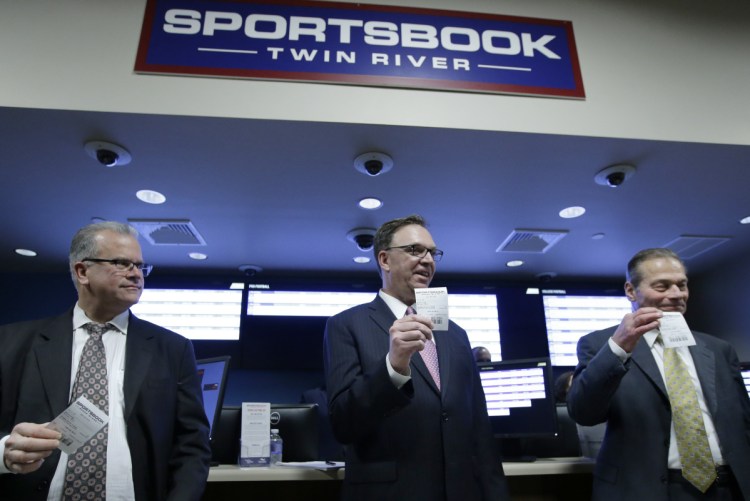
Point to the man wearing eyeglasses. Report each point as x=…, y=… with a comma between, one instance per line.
x=156, y=444
x=407, y=434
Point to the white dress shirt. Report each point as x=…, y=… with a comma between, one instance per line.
x=657, y=350
x=119, y=466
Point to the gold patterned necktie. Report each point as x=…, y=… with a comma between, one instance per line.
x=692, y=442
x=86, y=473
x=429, y=355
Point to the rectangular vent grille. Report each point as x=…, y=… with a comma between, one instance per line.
x=536, y=241
x=691, y=246
x=168, y=232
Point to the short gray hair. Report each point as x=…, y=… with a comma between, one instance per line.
x=84, y=242
x=633, y=273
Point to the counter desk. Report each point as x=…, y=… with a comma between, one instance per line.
x=559, y=479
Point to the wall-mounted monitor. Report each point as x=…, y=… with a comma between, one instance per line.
x=568, y=317
x=476, y=313
x=197, y=314
x=520, y=400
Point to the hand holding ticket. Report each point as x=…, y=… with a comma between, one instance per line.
x=78, y=423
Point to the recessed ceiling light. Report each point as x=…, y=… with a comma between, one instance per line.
x=514, y=264
x=198, y=256
x=361, y=259
x=26, y=252
x=745, y=220
x=571, y=212
x=151, y=197
x=597, y=236
x=370, y=203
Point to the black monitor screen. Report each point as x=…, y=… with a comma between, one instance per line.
x=297, y=425
x=213, y=377
x=519, y=395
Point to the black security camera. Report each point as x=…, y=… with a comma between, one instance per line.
x=616, y=178
x=373, y=167
x=364, y=241
x=107, y=157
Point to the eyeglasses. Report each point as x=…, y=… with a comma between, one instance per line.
x=420, y=251
x=123, y=264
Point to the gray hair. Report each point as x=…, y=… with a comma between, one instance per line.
x=84, y=242
x=633, y=273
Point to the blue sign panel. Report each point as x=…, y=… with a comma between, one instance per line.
x=360, y=44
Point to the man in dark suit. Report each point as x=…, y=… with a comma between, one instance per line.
x=620, y=379
x=157, y=442
x=408, y=435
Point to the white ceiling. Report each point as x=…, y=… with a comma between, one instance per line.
x=282, y=195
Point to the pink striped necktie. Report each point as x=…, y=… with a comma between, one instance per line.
x=429, y=354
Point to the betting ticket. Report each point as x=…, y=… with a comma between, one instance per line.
x=433, y=302
x=674, y=330
x=78, y=423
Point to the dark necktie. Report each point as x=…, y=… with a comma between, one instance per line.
x=86, y=473
x=429, y=355
x=692, y=442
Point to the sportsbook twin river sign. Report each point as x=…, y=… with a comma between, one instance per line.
x=360, y=44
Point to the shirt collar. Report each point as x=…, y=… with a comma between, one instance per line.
x=651, y=336
x=120, y=321
x=396, y=306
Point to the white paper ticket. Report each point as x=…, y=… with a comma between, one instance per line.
x=674, y=330
x=78, y=423
x=432, y=302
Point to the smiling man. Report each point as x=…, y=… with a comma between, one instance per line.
x=678, y=418
x=407, y=402
x=155, y=445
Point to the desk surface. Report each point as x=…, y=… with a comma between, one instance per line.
x=542, y=466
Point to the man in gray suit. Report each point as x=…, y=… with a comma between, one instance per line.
x=620, y=379
x=156, y=445
x=408, y=434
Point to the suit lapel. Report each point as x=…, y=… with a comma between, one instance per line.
x=53, y=357
x=643, y=358
x=139, y=350
x=705, y=366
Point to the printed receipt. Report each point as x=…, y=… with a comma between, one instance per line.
x=674, y=330
x=433, y=302
x=78, y=423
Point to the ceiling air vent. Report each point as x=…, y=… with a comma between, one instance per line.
x=538, y=241
x=690, y=246
x=168, y=232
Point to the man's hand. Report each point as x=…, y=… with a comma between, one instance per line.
x=634, y=326
x=27, y=447
x=408, y=336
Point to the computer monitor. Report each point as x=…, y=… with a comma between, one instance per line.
x=297, y=425
x=745, y=370
x=520, y=400
x=213, y=377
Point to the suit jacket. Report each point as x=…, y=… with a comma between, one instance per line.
x=167, y=429
x=632, y=398
x=415, y=442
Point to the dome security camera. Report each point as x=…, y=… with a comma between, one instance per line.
x=364, y=238
x=373, y=167
x=364, y=241
x=373, y=163
x=108, y=158
x=107, y=154
x=615, y=175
